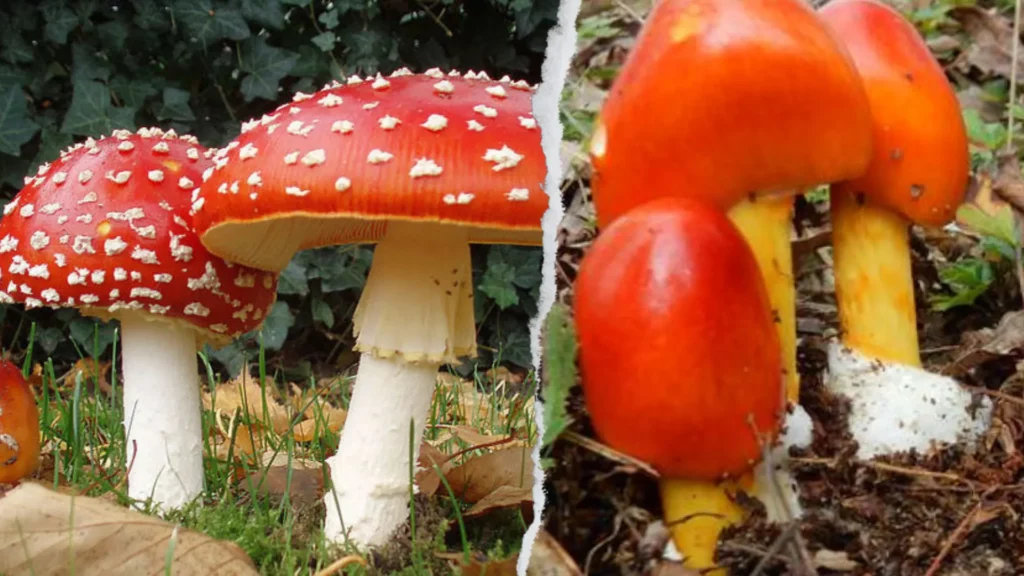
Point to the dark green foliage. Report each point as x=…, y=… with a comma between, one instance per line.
x=72, y=69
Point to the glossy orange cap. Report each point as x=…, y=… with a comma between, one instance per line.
x=19, y=426
x=722, y=98
x=921, y=164
x=677, y=344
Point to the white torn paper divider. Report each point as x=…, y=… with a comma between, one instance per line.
x=560, y=49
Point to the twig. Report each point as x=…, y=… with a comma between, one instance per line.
x=1013, y=75
x=894, y=469
x=772, y=553
x=609, y=453
x=947, y=545
x=336, y=566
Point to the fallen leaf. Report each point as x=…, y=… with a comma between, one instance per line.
x=474, y=437
x=92, y=372
x=427, y=479
x=991, y=47
x=245, y=396
x=480, y=565
x=331, y=418
x=502, y=497
x=548, y=558
x=302, y=480
x=45, y=532
x=482, y=475
x=987, y=344
x=836, y=561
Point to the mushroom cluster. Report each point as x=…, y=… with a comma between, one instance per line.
x=422, y=165
x=702, y=110
x=106, y=229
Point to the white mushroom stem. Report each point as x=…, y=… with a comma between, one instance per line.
x=162, y=412
x=896, y=408
x=415, y=314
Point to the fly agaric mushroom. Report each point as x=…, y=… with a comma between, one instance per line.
x=694, y=113
x=19, y=426
x=919, y=173
x=679, y=357
x=104, y=229
x=740, y=103
x=423, y=165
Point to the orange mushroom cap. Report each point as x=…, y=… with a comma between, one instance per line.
x=723, y=98
x=105, y=228
x=19, y=426
x=921, y=163
x=333, y=167
x=677, y=342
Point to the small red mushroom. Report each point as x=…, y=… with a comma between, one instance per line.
x=19, y=426
x=106, y=229
x=423, y=165
x=679, y=356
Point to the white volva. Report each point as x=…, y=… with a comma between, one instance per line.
x=162, y=412
x=415, y=314
x=780, y=494
x=896, y=408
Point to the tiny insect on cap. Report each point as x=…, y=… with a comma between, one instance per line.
x=721, y=99
x=333, y=167
x=105, y=228
x=921, y=162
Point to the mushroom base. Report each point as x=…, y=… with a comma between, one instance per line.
x=417, y=304
x=370, y=472
x=162, y=412
x=895, y=407
x=766, y=225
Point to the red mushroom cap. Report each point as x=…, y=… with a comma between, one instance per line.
x=677, y=342
x=921, y=163
x=724, y=98
x=332, y=167
x=19, y=426
x=105, y=228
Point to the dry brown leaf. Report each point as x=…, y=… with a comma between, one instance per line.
x=502, y=497
x=45, y=532
x=305, y=486
x=480, y=476
x=480, y=565
x=427, y=479
x=248, y=442
x=474, y=437
x=245, y=395
x=548, y=558
x=91, y=372
x=991, y=47
x=332, y=418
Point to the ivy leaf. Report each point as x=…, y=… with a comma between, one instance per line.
x=207, y=25
x=51, y=142
x=275, y=327
x=86, y=65
x=15, y=49
x=264, y=12
x=264, y=66
x=150, y=16
x=322, y=312
x=132, y=92
x=175, y=106
x=299, y=3
x=292, y=280
x=60, y=21
x=92, y=335
x=498, y=284
x=15, y=126
x=113, y=34
x=329, y=19
x=325, y=41
x=87, y=115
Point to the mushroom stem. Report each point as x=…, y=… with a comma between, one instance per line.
x=696, y=512
x=766, y=223
x=415, y=314
x=162, y=412
x=370, y=471
x=873, y=279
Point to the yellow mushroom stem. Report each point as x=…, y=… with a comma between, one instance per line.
x=766, y=223
x=873, y=279
x=696, y=511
